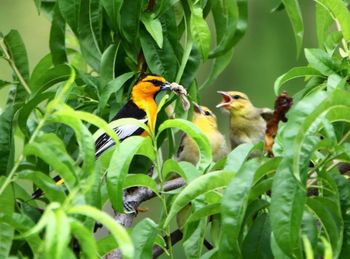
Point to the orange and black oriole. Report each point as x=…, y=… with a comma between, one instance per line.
x=141, y=106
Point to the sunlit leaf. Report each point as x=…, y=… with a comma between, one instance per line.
x=143, y=236
x=294, y=13
x=86, y=239
x=117, y=172
x=200, y=31
x=203, y=184
x=340, y=11
x=118, y=232
x=293, y=73
x=196, y=134
x=233, y=207
x=154, y=27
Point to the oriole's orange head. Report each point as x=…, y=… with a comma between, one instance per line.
x=148, y=87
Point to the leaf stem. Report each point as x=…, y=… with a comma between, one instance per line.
x=14, y=67
x=21, y=157
x=162, y=198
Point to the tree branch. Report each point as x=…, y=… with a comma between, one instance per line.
x=133, y=199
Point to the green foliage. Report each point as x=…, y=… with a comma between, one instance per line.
x=293, y=205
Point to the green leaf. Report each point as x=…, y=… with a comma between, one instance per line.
x=6, y=239
x=108, y=64
x=160, y=61
x=340, y=11
x=276, y=250
x=23, y=223
x=43, y=79
x=106, y=245
x=70, y=11
x=321, y=61
x=112, y=9
x=57, y=38
x=4, y=83
x=49, y=187
x=193, y=242
x=335, y=81
x=257, y=242
x=233, y=207
x=117, y=172
x=211, y=209
x=191, y=60
x=294, y=13
x=305, y=119
x=87, y=32
x=332, y=224
x=27, y=109
x=236, y=157
x=86, y=239
x=287, y=205
x=154, y=27
x=219, y=65
x=196, y=134
x=203, y=184
x=113, y=87
x=184, y=169
x=143, y=236
x=98, y=122
x=293, y=73
x=6, y=140
x=7, y=208
x=51, y=149
x=323, y=22
x=229, y=23
x=17, y=52
x=133, y=180
x=119, y=233
x=40, y=225
x=200, y=31
x=130, y=15
x=57, y=234
x=41, y=67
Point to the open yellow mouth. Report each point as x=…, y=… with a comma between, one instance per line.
x=226, y=100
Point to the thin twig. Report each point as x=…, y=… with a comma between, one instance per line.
x=14, y=67
x=134, y=198
x=175, y=237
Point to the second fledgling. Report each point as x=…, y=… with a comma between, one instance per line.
x=204, y=119
x=247, y=123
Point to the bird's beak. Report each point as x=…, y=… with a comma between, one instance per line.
x=197, y=108
x=226, y=100
x=165, y=86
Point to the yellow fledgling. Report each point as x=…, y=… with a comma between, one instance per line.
x=204, y=119
x=247, y=123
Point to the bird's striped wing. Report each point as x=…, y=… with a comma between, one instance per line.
x=104, y=141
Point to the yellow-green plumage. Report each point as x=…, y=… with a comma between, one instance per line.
x=247, y=123
x=205, y=120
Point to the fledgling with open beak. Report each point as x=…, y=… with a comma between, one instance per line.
x=205, y=120
x=247, y=123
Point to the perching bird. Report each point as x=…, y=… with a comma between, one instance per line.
x=141, y=106
x=205, y=120
x=247, y=123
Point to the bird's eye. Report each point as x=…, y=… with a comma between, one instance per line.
x=207, y=113
x=156, y=82
x=236, y=97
